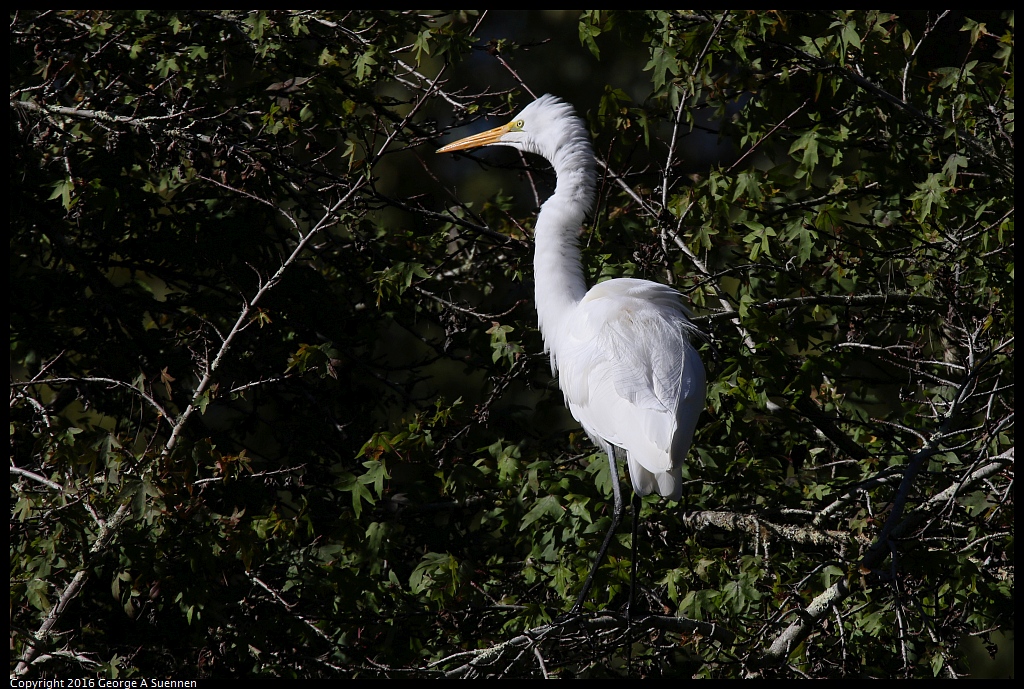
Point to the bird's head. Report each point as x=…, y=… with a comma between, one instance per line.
x=547, y=126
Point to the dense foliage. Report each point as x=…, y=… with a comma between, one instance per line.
x=279, y=406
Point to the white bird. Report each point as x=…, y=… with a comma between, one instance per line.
x=622, y=350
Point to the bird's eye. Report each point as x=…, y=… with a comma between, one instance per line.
x=519, y=124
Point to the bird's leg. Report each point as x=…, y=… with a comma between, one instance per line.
x=616, y=518
x=632, y=573
x=632, y=586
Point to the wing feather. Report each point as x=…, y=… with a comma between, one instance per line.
x=632, y=378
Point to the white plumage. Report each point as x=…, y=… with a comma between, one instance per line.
x=622, y=350
x=632, y=379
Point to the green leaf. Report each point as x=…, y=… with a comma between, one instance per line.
x=548, y=506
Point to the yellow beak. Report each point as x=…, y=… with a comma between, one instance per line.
x=491, y=136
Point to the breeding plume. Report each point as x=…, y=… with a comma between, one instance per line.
x=622, y=349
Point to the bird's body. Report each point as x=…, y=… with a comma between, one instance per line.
x=621, y=349
x=632, y=379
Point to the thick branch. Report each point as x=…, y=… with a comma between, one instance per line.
x=764, y=530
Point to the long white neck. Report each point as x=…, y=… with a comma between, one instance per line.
x=558, y=273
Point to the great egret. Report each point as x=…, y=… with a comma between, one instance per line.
x=621, y=349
